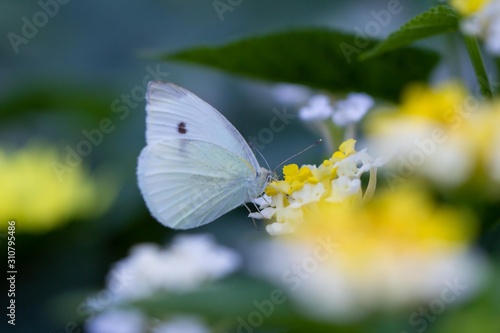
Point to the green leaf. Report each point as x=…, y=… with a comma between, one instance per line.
x=49, y=97
x=318, y=58
x=437, y=20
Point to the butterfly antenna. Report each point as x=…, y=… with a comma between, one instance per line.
x=260, y=154
x=300, y=152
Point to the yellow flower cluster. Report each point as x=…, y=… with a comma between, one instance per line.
x=395, y=250
x=394, y=224
x=440, y=103
x=295, y=178
x=336, y=180
x=422, y=103
x=33, y=196
x=467, y=7
x=442, y=133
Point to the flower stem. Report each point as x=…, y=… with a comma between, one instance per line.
x=326, y=136
x=477, y=62
x=495, y=84
x=350, y=131
x=372, y=184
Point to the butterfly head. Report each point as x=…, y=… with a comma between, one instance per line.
x=262, y=178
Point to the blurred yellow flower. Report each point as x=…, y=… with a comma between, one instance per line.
x=401, y=248
x=32, y=194
x=343, y=256
x=442, y=133
x=422, y=103
x=467, y=7
x=392, y=225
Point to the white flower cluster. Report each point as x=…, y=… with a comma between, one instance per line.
x=352, y=109
x=343, y=112
x=190, y=261
x=133, y=321
x=290, y=94
x=317, y=108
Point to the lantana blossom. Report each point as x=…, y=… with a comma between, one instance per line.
x=317, y=108
x=336, y=179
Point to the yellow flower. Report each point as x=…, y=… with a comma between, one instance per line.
x=346, y=149
x=398, y=249
x=393, y=223
x=33, y=195
x=336, y=180
x=442, y=134
x=467, y=7
x=436, y=104
x=295, y=179
x=395, y=226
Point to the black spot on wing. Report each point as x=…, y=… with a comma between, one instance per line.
x=181, y=128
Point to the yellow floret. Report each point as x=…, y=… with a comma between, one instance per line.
x=467, y=7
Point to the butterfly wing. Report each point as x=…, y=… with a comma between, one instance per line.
x=185, y=185
x=196, y=165
x=175, y=113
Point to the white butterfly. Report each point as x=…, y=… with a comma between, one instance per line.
x=196, y=166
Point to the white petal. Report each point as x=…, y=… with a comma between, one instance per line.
x=290, y=93
x=262, y=201
x=280, y=228
x=318, y=108
x=352, y=109
x=182, y=324
x=117, y=321
x=256, y=215
x=493, y=37
x=343, y=187
x=309, y=193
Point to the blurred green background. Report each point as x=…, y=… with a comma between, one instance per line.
x=67, y=78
